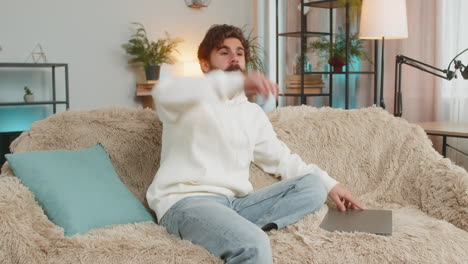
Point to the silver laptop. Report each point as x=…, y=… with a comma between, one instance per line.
x=369, y=221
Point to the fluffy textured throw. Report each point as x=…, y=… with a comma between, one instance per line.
x=385, y=161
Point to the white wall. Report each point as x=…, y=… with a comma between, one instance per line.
x=88, y=36
x=266, y=32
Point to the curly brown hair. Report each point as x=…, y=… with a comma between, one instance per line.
x=214, y=39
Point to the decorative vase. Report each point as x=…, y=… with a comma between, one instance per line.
x=297, y=64
x=337, y=64
x=337, y=68
x=28, y=98
x=152, y=72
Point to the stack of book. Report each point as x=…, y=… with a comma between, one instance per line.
x=313, y=83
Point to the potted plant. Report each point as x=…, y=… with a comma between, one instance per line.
x=151, y=54
x=334, y=53
x=255, y=62
x=28, y=95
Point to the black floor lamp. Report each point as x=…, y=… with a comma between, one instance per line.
x=442, y=73
x=383, y=19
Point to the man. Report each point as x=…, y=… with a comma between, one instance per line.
x=211, y=133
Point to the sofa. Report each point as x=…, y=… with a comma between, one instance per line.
x=384, y=161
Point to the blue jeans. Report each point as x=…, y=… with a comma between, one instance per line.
x=231, y=227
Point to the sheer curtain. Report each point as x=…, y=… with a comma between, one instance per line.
x=452, y=96
x=436, y=35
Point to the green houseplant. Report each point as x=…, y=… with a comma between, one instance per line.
x=255, y=62
x=28, y=95
x=334, y=53
x=152, y=54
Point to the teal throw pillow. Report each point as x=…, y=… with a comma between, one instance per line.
x=79, y=190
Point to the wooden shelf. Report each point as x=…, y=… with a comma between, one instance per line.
x=145, y=90
x=323, y=4
x=148, y=82
x=306, y=34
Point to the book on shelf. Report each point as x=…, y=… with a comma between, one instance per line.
x=313, y=78
x=297, y=90
x=310, y=82
x=307, y=85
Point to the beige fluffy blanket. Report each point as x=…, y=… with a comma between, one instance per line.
x=385, y=161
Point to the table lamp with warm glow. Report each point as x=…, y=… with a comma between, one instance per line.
x=192, y=69
x=383, y=19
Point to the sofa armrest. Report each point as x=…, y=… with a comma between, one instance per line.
x=444, y=191
x=23, y=225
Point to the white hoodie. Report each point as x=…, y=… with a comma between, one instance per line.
x=211, y=133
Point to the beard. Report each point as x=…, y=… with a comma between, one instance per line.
x=234, y=67
x=230, y=68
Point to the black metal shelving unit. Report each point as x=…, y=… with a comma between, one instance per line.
x=8, y=137
x=52, y=66
x=303, y=34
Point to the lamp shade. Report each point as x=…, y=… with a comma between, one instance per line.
x=192, y=69
x=383, y=18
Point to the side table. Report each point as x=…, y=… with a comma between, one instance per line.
x=445, y=129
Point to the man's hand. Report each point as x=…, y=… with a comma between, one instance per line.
x=343, y=198
x=257, y=83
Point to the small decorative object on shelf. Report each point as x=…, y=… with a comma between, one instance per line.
x=298, y=62
x=151, y=54
x=306, y=9
x=197, y=3
x=28, y=95
x=37, y=55
x=334, y=53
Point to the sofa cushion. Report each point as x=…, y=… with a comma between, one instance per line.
x=79, y=190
